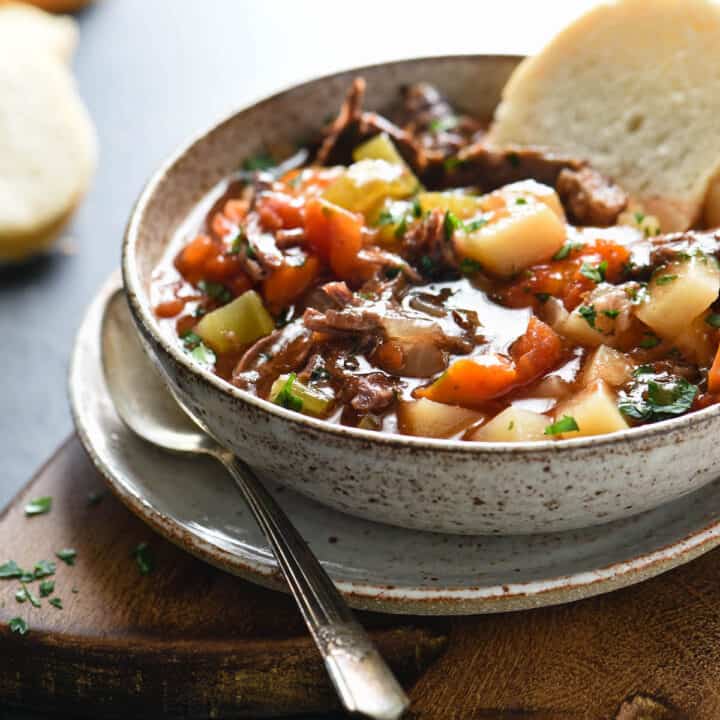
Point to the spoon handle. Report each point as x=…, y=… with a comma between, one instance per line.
x=361, y=677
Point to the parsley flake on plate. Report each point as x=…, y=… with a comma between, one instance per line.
x=67, y=555
x=18, y=625
x=40, y=506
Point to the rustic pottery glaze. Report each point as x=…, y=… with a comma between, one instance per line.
x=438, y=485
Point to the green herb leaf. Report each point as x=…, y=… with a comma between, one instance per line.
x=665, y=279
x=18, y=625
x=587, y=312
x=566, y=423
x=319, y=374
x=391, y=272
x=443, y=124
x=639, y=217
x=649, y=341
x=596, y=274
x=654, y=397
x=203, y=354
x=401, y=228
x=144, y=558
x=611, y=313
x=44, y=568
x=67, y=555
x=9, y=570
x=47, y=587
x=261, y=161
x=385, y=218
x=215, y=290
x=521, y=201
x=416, y=208
x=286, y=398
x=238, y=241
x=468, y=266
x=21, y=594
x=566, y=249
x=38, y=507
x=514, y=159
x=56, y=602
x=34, y=601
x=450, y=224
x=190, y=339
x=26, y=577
x=474, y=225
x=713, y=320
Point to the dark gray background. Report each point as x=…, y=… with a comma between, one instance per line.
x=153, y=72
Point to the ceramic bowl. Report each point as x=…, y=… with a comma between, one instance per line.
x=437, y=485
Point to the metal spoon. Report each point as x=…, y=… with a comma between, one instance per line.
x=364, y=683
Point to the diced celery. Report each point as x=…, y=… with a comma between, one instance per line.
x=238, y=323
x=381, y=147
x=365, y=184
x=460, y=204
x=291, y=393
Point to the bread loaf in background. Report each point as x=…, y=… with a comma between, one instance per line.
x=633, y=86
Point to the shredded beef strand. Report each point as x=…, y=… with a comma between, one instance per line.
x=349, y=320
x=346, y=122
x=427, y=247
x=589, y=198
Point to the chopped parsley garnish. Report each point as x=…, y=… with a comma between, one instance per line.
x=443, y=124
x=25, y=593
x=286, y=398
x=44, y=568
x=238, y=241
x=319, y=374
x=450, y=224
x=56, y=602
x=391, y=272
x=643, y=370
x=665, y=279
x=653, y=397
x=474, y=225
x=144, y=558
x=416, y=208
x=67, y=555
x=637, y=294
x=427, y=265
x=190, y=338
x=596, y=274
x=18, y=625
x=401, y=228
x=513, y=159
x=566, y=249
x=511, y=425
x=587, y=312
x=217, y=291
x=38, y=507
x=713, y=320
x=649, y=341
x=385, y=218
x=47, y=587
x=260, y=161
x=543, y=297
x=10, y=570
x=521, y=201
x=468, y=266
x=611, y=313
x=203, y=354
x=639, y=217
x=566, y=423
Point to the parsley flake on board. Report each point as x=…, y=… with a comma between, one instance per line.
x=56, y=602
x=652, y=397
x=587, y=312
x=144, y=558
x=286, y=398
x=10, y=570
x=44, y=568
x=18, y=625
x=47, y=587
x=596, y=274
x=567, y=423
x=67, y=555
x=40, y=506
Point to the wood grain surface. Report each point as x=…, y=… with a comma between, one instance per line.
x=189, y=641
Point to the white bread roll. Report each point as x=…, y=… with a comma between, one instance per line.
x=27, y=29
x=632, y=86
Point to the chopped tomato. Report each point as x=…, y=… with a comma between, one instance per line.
x=469, y=382
x=285, y=285
x=191, y=260
x=536, y=352
x=336, y=236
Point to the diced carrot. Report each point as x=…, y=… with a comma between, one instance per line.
x=536, y=352
x=191, y=259
x=220, y=226
x=469, y=382
x=278, y=210
x=235, y=209
x=284, y=285
x=169, y=308
x=335, y=235
x=221, y=267
x=714, y=374
x=240, y=283
x=615, y=255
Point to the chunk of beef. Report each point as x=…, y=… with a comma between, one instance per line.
x=344, y=129
x=589, y=198
x=428, y=248
x=371, y=393
x=349, y=320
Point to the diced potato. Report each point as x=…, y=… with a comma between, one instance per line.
x=678, y=293
x=594, y=410
x=390, y=219
x=433, y=419
x=609, y=365
x=581, y=328
x=291, y=393
x=365, y=184
x=459, y=203
x=531, y=188
x=696, y=341
x=514, y=238
x=634, y=217
x=238, y=323
x=381, y=147
x=513, y=425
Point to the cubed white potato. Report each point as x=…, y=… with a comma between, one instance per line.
x=595, y=411
x=531, y=188
x=678, y=293
x=697, y=342
x=607, y=364
x=427, y=418
x=513, y=425
x=458, y=202
x=580, y=327
x=238, y=323
x=514, y=238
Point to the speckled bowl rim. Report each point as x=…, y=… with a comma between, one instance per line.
x=144, y=316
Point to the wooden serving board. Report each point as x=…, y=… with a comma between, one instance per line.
x=187, y=640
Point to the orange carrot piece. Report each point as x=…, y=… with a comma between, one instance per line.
x=537, y=351
x=284, y=285
x=714, y=374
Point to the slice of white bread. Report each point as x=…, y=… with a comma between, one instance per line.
x=27, y=29
x=633, y=86
x=47, y=150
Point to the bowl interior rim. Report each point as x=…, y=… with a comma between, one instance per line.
x=147, y=323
